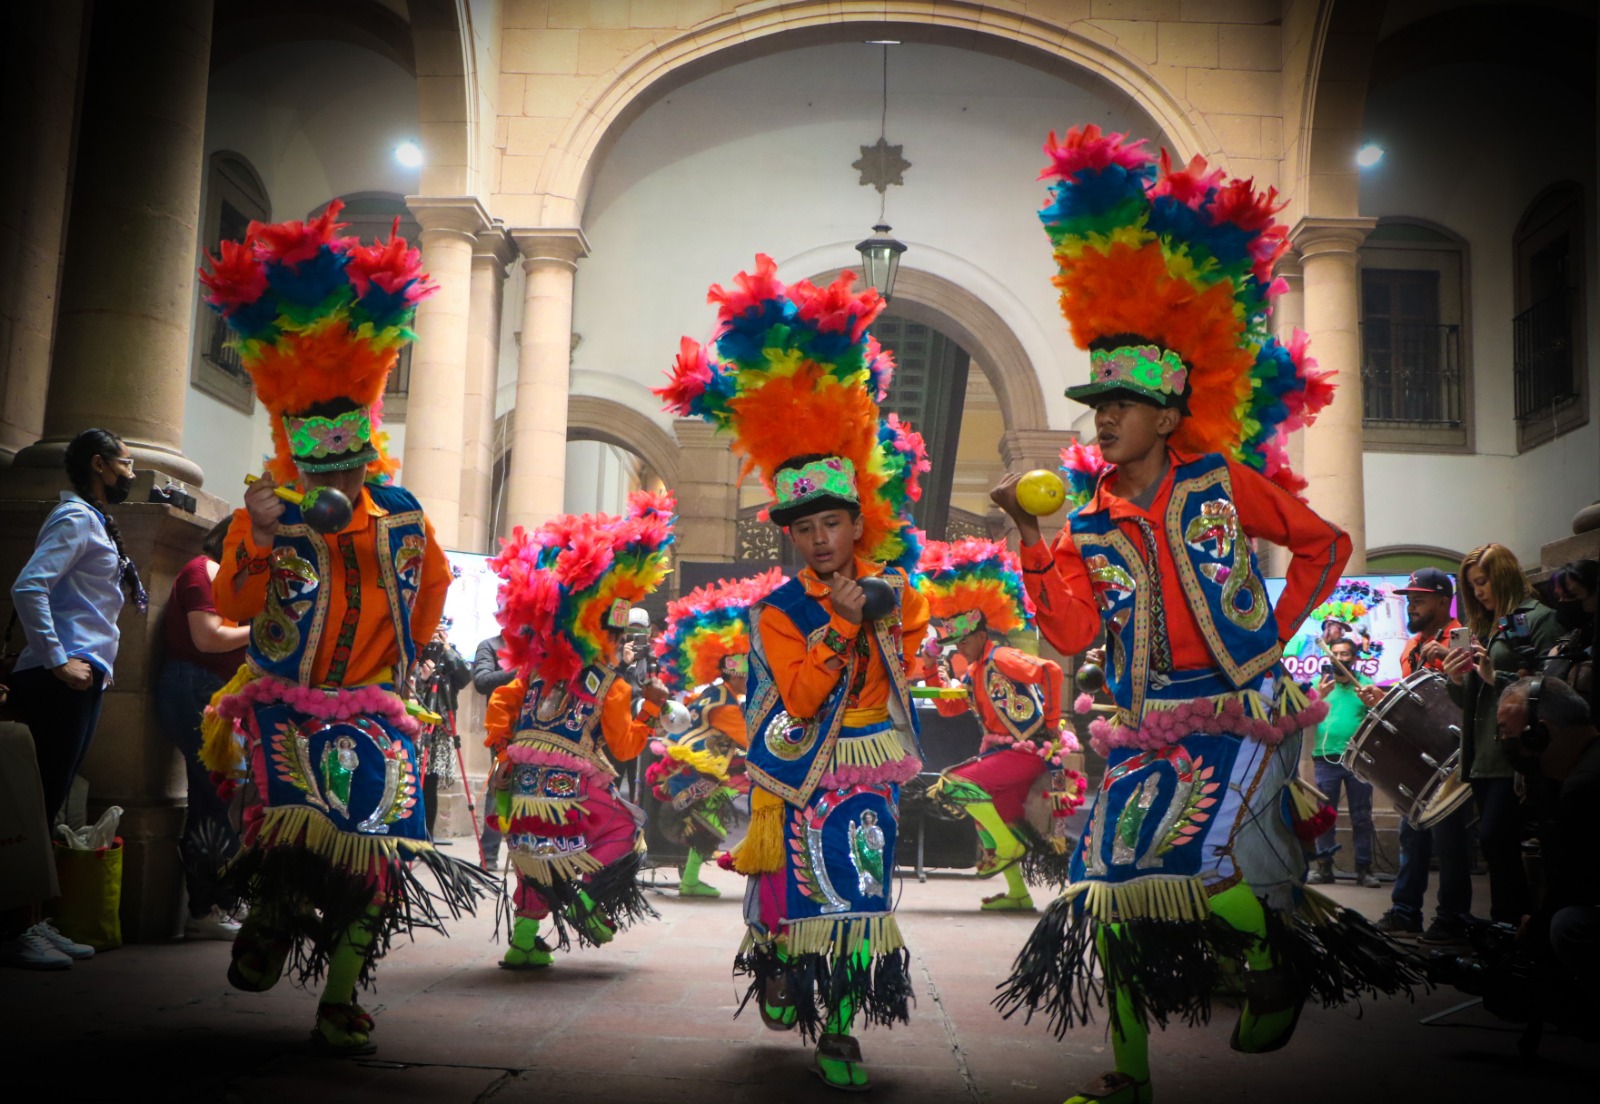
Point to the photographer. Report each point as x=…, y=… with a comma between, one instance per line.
x=1341, y=687
x=487, y=677
x=1546, y=731
x=438, y=677
x=638, y=666
x=1511, y=633
x=1573, y=592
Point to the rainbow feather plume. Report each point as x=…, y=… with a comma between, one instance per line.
x=707, y=624
x=1183, y=256
x=793, y=370
x=316, y=317
x=975, y=574
x=1081, y=465
x=558, y=583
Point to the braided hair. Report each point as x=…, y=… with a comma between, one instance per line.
x=80, y=470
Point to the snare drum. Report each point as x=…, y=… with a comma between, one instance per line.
x=1409, y=747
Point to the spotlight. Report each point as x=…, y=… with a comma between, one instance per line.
x=409, y=154
x=1369, y=155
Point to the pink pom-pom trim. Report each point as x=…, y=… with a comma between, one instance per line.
x=327, y=705
x=1165, y=727
x=544, y=757
x=1084, y=703
x=896, y=772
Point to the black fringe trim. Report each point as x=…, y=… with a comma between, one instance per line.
x=616, y=897
x=1043, y=864
x=878, y=990
x=1172, y=969
x=299, y=896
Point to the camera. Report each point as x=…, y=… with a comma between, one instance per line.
x=1327, y=668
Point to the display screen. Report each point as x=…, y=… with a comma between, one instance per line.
x=1365, y=607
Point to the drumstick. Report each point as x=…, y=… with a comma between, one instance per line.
x=1335, y=660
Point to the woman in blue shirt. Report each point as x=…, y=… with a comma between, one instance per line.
x=67, y=600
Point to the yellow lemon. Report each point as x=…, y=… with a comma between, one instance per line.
x=1041, y=492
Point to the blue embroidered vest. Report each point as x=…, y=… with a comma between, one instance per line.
x=1216, y=569
x=567, y=719
x=788, y=755
x=284, y=636
x=1018, y=706
x=712, y=696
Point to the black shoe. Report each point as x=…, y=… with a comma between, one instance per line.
x=1445, y=931
x=1395, y=923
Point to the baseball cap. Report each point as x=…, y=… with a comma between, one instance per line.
x=1428, y=580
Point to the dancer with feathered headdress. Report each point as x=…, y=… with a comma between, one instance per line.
x=1017, y=789
x=704, y=653
x=565, y=593
x=314, y=719
x=1189, y=864
x=796, y=378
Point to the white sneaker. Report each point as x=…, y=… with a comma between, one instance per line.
x=215, y=924
x=61, y=943
x=32, y=951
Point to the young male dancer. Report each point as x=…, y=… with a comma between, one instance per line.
x=1189, y=860
x=974, y=589
x=314, y=719
x=833, y=734
x=565, y=595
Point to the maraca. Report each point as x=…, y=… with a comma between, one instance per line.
x=879, y=598
x=675, y=718
x=325, y=509
x=1041, y=492
x=1091, y=678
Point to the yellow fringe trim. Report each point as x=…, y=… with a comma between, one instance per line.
x=701, y=760
x=221, y=746
x=869, y=751
x=545, y=808
x=546, y=870
x=1290, y=700
x=837, y=938
x=302, y=826
x=762, y=849
x=1151, y=898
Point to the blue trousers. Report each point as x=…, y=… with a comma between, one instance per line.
x=182, y=692
x=1331, y=778
x=1450, y=841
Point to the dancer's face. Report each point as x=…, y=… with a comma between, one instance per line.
x=1130, y=430
x=827, y=541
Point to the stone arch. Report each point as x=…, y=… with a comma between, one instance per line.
x=977, y=328
x=653, y=71
x=447, y=116
x=591, y=418
x=1326, y=181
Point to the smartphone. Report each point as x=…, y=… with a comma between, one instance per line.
x=1460, y=639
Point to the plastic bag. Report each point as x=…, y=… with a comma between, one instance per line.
x=101, y=834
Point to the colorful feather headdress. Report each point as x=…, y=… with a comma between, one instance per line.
x=1181, y=258
x=792, y=371
x=560, y=583
x=1349, y=604
x=318, y=322
x=974, y=576
x=1082, y=465
x=708, y=624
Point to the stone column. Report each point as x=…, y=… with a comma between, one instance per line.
x=40, y=53
x=492, y=252
x=436, y=402
x=544, y=368
x=122, y=340
x=1023, y=450
x=1333, y=456
x=1288, y=315
x=708, y=496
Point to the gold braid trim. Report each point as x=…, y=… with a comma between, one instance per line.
x=762, y=849
x=221, y=748
x=545, y=870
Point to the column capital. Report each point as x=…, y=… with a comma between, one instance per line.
x=493, y=246
x=564, y=245
x=462, y=215
x=1290, y=271
x=698, y=433
x=1314, y=237
x=1024, y=449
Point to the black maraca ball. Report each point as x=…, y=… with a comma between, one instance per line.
x=880, y=598
x=1091, y=678
x=326, y=509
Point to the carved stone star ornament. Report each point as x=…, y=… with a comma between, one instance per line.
x=881, y=165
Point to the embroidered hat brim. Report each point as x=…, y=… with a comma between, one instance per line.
x=1102, y=390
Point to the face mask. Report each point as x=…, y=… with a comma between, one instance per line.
x=1570, y=614
x=118, y=491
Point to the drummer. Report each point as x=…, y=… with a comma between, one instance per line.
x=1341, y=687
x=1429, y=595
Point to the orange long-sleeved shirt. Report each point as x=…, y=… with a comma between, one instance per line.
x=624, y=734
x=1069, y=616
x=240, y=593
x=805, y=676
x=1019, y=666
x=729, y=720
